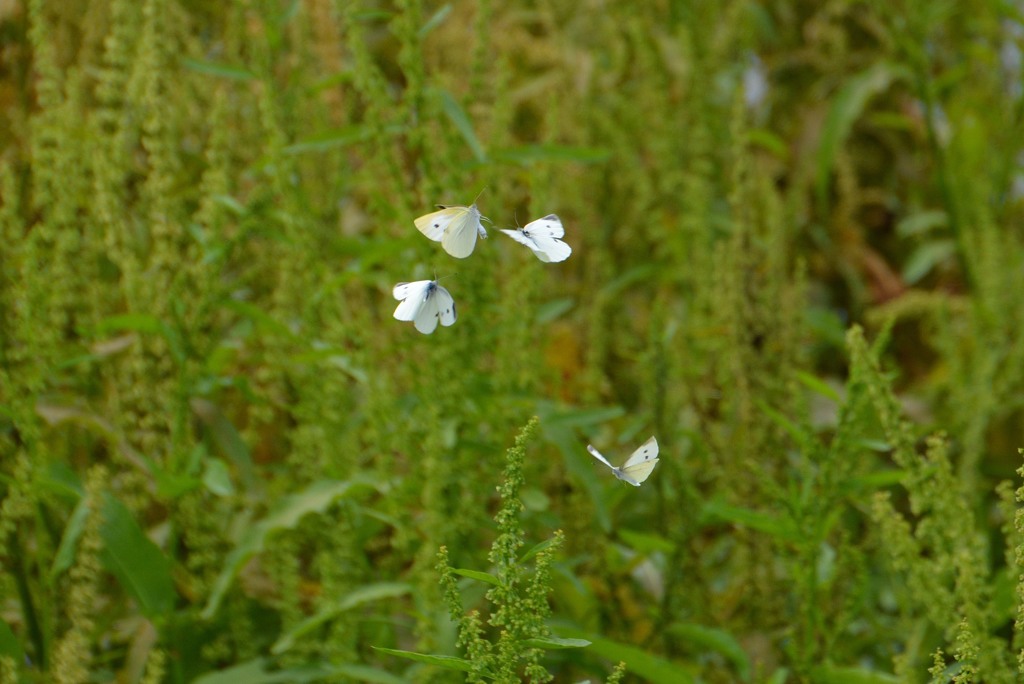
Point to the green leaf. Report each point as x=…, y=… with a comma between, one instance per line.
x=256, y=672
x=59, y=478
x=216, y=69
x=651, y=667
x=337, y=138
x=553, y=643
x=9, y=644
x=477, y=575
x=285, y=515
x=922, y=222
x=65, y=555
x=830, y=674
x=878, y=445
x=139, y=564
x=537, y=548
x=756, y=520
x=216, y=478
x=558, y=425
x=923, y=259
x=148, y=324
x=802, y=437
x=447, y=662
x=531, y=154
x=462, y=124
x=816, y=384
x=227, y=439
x=435, y=20
x=645, y=542
x=549, y=311
x=627, y=278
x=887, y=477
x=717, y=640
x=230, y=203
x=554, y=416
x=847, y=106
x=765, y=139
x=365, y=594
x=365, y=673
x=261, y=320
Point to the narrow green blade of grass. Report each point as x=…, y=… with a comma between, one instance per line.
x=65, y=555
x=447, y=662
x=256, y=672
x=477, y=575
x=435, y=20
x=145, y=323
x=553, y=643
x=577, y=463
x=229, y=71
x=799, y=435
x=216, y=477
x=365, y=594
x=334, y=139
x=139, y=564
x=570, y=417
x=537, y=548
x=830, y=674
x=645, y=542
x=549, y=311
x=922, y=222
x=228, y=440
x=816, y=384
x=926, y=257
x=365, y=673
x=651, y=667
x=263, y=321
x=286, y=515
x=636, y=274
x=462, y=124
x=717, y=640
x=847, y=106
x=531, y=154
x=755, y=520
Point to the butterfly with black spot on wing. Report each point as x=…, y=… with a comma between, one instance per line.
x=425, y=303
x=638, y=466
x=456, y=228
x=543, y=238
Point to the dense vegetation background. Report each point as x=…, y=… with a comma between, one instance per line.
x=798, y=261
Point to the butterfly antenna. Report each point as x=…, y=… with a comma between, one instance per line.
x=450, y=275
x=482, y=218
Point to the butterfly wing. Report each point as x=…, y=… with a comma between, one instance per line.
x=545, y=233
x=461, y=232
x=552, y=250
x=640, y=464
x=519, y=237
x=433, y=225
x=550, y=226
x=426, y=318
x=445, y=306
x=597, y=454
x=412, y=296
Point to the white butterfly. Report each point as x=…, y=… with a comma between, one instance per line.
x=542, y=236
x=455, y=228
x=424, y=302
x=637, y=467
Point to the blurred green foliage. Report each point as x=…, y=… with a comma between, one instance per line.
x=797, y=260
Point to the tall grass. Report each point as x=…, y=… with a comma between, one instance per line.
x=797, y=260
